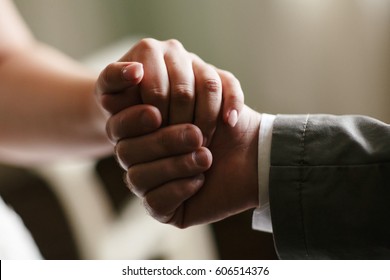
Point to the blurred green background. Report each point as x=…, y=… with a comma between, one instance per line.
x=301, y=56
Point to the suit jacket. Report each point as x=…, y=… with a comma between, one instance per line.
x=330, y=187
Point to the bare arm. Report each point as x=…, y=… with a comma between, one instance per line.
x=47, y=101
x=47, y=106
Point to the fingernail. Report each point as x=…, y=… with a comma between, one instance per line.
x=233, y=118
x=201, y=158
x=132, y=71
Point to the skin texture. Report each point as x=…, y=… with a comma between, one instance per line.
x=48, y=108
x=183, y=87
x=169, y=178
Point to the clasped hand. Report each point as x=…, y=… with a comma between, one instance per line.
x=182, y=133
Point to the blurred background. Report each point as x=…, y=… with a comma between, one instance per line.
x=291, y=56
x=300, y=56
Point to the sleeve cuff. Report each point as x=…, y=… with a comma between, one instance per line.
x=262, y=216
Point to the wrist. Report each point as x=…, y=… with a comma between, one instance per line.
x=244, y=161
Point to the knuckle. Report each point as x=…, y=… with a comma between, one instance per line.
x=183, y=92
x=231, y=78
x=236, y=100
x=156, y=94
x=212, y=85
x=116, y=126
x=153, y=206
x=128, y=182
x=173, y=43
x=109, y=130
x=228, y=75
x=132, y=181
x=154, y=211
x=148, y=44
x=121, y=151
x=214, y=101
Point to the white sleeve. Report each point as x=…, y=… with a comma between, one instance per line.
x=16, y=242
x=262, y=215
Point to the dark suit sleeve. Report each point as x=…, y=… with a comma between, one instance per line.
x=330, y=187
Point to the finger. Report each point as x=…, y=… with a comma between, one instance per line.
x=142, y=178
x=133, y=122
x=233, y=97
x=208, y=98
x=119, y=77
x=162, y=202
x=114, y=103
x=165, y=142
x=154, y=86
x=182, y=83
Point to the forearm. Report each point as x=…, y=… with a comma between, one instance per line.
x=47, y=108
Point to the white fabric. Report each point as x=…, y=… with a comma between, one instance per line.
x=262, y=215
x=16, y=241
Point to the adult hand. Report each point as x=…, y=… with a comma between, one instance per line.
x=183, y=87
x=168, y=176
